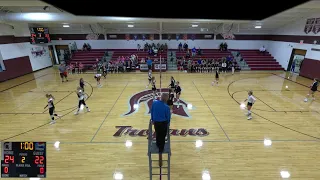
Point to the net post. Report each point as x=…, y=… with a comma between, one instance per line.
x=160, y=75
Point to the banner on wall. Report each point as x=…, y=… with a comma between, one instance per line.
x=316, y=26
x=309, y=25
x=169, y=37
x=38, y=52
x=143, y=67
x=177, y=37
x=135, y=37
x=185, y=37
x=193, y=37
x=143, y=37
x=127, y=37
x=151, y=37
x=157, y=66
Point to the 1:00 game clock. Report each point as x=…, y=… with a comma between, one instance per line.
x=23, y=159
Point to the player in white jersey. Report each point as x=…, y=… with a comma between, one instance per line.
x=154, y=88
x=98, y=77
x=81, y=96
x=149, y=77
x=251, y=100
x=51, y=108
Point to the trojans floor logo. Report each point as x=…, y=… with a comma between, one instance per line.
x=147, y=97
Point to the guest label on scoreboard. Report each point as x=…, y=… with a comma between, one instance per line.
x=23, y=159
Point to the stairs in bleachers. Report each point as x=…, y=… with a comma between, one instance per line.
x=259, y=61
x=87, y=57
x=172, y=65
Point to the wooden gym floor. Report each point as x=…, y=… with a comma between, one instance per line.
x=233, y=149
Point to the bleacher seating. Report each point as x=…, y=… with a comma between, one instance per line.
x=206, y=53
x=141, y=54
x=88, y=58
x=260, y=61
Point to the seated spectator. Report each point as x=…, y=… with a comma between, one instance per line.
x=193, y=51
x=225, y=46
x=85, y=47
x=88, y=47
x=199, y=51
x=146, y=47
x=185, y=46
x=262, y=49
x=138, y=47
x=188, y=54
x=165, y=46
x=180, y=46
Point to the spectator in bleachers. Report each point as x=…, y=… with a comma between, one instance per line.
x=158, y=46
x=199, y=51
x=229, y=58
x=180, y=46
x=188, y=54
x=225, y=46
x=138, y=47
x=193, y=51
x=262, y=50
x=88, y=46
x=85, y=47
x=165, y=46
x=185, y=47
x=146, y=47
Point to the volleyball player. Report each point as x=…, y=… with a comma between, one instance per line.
x=51, y=108
x=178, y=93
x=81, y=84
x=172, y=84
x=81, y=96
x=251, y=100
x=98, y=77
x=313, y=89
x=170, y=100
x=149, y=77
x=217, y=78
x=104, y=70
x=154, y=89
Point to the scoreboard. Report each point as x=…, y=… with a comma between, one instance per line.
x=23, y=159
x=39, y=35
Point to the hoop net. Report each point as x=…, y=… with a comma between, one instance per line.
x=96, y=31
x=228, y=35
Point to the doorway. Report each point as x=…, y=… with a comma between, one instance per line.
x=297, y=56
x=52, y=56
x=61, y=51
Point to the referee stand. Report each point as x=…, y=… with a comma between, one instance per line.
x=159, y=165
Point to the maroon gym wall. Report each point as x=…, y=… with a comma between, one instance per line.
x=16, y=67
x=310, y=68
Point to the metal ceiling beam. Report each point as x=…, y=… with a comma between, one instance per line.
x=21, y=3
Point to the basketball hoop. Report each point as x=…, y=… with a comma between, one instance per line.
x=92, y=37
x=227, y=35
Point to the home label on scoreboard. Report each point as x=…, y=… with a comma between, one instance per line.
x=23, y=159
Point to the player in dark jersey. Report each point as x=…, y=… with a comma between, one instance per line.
x=81, y=84
x=104, y=70
x=170, y=100
x=217, y=78
x=178, y=93
x=81, y=97
x=313, y=89
x=172, y=84
x=51, y=108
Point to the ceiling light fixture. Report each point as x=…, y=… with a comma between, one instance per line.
x=257, y=27
x=194, y=25
x=130, y=25
x=66, y=25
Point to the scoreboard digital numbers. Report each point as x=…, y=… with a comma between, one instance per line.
x=39, y=35
x=23, y=159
